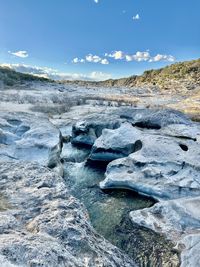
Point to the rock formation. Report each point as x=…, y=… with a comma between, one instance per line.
x=157, y=154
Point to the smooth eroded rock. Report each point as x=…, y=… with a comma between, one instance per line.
x=118, y=143
x=31, y=138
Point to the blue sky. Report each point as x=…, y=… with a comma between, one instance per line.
x=98, y=39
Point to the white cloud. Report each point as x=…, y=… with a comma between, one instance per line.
x=139, y=56
x=128, y=58
x=116, y=55
x=136, y=17
x=96, y=1
x=104, y=61
x=94, y=59
x=91, y=59
x=77, y=60
x=56, y=75
x=98, y=75
x=160, y=57
x=21, y=53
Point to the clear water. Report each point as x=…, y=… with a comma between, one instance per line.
x=109, y=213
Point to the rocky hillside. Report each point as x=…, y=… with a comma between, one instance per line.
x=10, y=77
x=179, y=77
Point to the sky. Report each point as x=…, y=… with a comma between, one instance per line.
x=97, y=39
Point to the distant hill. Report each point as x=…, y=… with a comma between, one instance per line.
x=10, y=77
x=179, y=76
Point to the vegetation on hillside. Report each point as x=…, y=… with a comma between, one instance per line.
x=180, y=76
x=187, y=72
x=10, y=77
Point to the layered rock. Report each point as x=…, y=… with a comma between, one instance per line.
x=45, y=226
x=31, y=138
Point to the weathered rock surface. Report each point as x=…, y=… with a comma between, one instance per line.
x=161, y=169
x=178, y=220
x=87, y=131
x=119, y=143
x=165, y=165
x=154, y=118
x=45, y=225
x=31, y=138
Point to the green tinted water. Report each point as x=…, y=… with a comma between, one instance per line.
x=109, y=213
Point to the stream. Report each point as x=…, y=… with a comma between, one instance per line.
x=109, y=212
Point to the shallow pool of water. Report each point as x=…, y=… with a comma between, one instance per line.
x=109, y=213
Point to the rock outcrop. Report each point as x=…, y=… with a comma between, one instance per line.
x=157, y=153
x=165, y=156
x=45, y=226
x=86, y=132
x=178, y=220
x=153, y=118
x=31, y=138
x=164, y=168
x=114, y=144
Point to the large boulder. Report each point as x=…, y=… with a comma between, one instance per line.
x=43, y=225
x=164, y=168
x=87, y=131
x=114, y=144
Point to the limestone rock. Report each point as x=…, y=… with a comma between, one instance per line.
x=178, y=220
x=119, y=143
x=87, y=131
x=45, y=225
x=164, y=168
x=31, y=138
x=154, y=118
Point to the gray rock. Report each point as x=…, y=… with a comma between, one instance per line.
x=178, y=220
x=87, y=131
x=45, y=225
x=154, y=118
x=183, y=131
x=164, y=168
x=27, y=137
x=114, y=144
x=190, y=254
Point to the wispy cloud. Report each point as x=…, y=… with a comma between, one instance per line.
x=136, y=17
x=56, y=75
x=21, y=53
x=91, y=59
